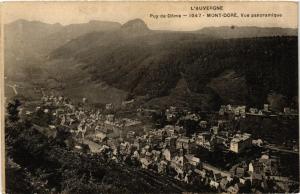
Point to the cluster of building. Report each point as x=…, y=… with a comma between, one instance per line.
x=168, y=150
x=241, y=111
x=81, y=121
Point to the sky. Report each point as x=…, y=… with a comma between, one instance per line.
x=81, y=12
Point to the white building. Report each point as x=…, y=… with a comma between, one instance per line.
x=239, y=142
x=266, y=107
x=109, y=106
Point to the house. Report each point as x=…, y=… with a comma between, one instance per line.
x=217, y=177
x=256, y=178
x=270, y=166
x=203, y=124
x=170, y=129
x=179, y=160
x=257, y=142
x=160, y=134
x=266, y=108
x=110, y=118
x=173, y=109
x=191, y=116
x=84, y=147
x=183, y=143
x=221, y=112
x=139, y=143
x=242, y=180
x=250, y=167
x=233, y=170
x=286, y=110
x=192, y=160
x=233, y=189
x=162, y=167
x=179, y=130
x=224, y=134
x=178, y=164
x=130, y=123
x=202, y=173
x=153, y=140
x=145, y=163
x=187, y=177
x=206, y=140
x=130, y=134
x=215, y=130
x=221, y=140
x=253, y=110
x=284, y=186
x=171, y=113
x=125, y=148
x=224, y=183
x=156, y=155
x=104, y=148
x=240, y=172
x=240, y=110
x=240, y=142
x=136, y=155
x=202, y=138
x=222, y=124
x=214, y=184
x=223, y=109
x=148, y=155
x=229, y=178
x=109, y=106
x=171, y=142
x=228, y=108
x=256, y=167
x=100, y=136
x=167, y=154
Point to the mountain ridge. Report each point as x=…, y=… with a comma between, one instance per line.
x=140, y=20
x=148, y=64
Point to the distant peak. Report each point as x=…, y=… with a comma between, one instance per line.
x=33, y=22
x=98, y=22
x=20, y=22
x=136, y=25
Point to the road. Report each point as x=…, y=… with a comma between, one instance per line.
x=271, y=147
x=215, y=170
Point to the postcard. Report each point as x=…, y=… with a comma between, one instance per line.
x=149, y=97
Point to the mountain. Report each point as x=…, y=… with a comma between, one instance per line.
x=24, y=30
x=161, y=68
x=23, y=43
x=50, y=36
x=247, y=31
x=186, y=68
x=27, y=43
x=135, y=26
x=73, y=31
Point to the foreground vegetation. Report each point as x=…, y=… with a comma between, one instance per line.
x=38, y=164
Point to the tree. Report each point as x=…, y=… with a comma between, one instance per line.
x=277, y=101
x=159, y=119
x=13, y=111
x=190, y=125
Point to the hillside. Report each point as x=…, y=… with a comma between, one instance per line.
x=249, y=31
x=161, y=68
x=236, y=71
x=27, y=43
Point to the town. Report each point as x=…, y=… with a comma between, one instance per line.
x=209, y=148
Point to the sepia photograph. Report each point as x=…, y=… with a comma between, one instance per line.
x=149, y=97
